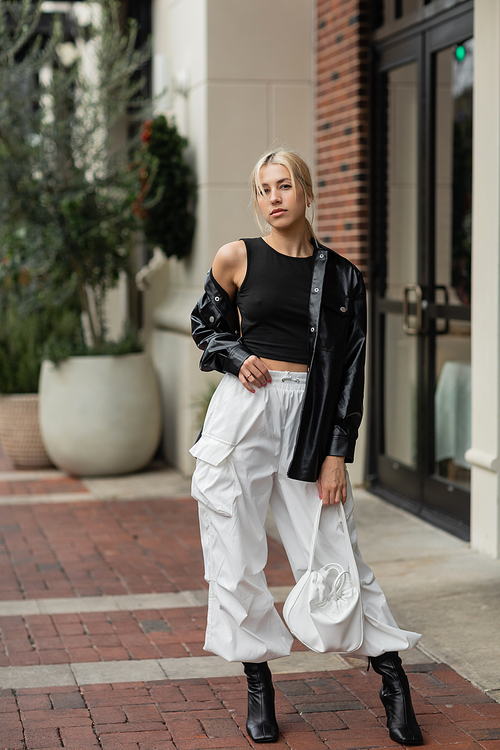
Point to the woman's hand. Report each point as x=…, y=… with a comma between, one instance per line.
x=332, y=481
x=254, y=373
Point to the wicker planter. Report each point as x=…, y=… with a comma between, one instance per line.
x=20, y=431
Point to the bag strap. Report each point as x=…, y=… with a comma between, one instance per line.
x=353, y=568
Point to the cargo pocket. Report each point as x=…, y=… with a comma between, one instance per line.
x=214, y=483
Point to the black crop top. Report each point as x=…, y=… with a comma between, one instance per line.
x=274, y=303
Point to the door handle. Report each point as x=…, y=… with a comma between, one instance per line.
x=407, y=328
x=446, y=328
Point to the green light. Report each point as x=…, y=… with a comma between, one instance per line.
x=460, y=52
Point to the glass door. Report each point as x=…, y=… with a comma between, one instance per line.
x=400, y=349
x=447, y=487
x=421, y=219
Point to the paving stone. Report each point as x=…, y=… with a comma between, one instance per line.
x=320, y=706
x=114, y=671
x=56, y=717
x=67, y=700
x=77, y=738
x=155, y=626
x=220, y=743
x=182, y=727
x=142, y=713
x=42, y=738
x=38, y=676
x=485, y=734
x=322, y=720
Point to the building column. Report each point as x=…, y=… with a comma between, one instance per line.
x=484, y=453
x=240, y=77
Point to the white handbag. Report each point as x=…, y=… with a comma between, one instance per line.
x=324, y=609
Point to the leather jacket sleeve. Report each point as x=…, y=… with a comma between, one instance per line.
x=349, y=408
x=216, y=331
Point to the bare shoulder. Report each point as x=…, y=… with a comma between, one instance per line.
x=229, y=265
x=231, y=255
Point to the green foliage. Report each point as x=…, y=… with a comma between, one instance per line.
x=168, y=220
x=71, y=344
x=22, y=344
x=21, y=53
x=66, y=184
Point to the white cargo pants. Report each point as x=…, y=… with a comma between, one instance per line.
x=242, y=459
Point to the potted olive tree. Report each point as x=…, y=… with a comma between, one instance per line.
x=67, y=226
x=21, y=336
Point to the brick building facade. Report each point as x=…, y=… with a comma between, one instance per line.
x=342, y=127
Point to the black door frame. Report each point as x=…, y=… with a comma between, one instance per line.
x=404, y=487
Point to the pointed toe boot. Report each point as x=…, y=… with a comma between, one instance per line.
x=396, y=698
x=261, y=723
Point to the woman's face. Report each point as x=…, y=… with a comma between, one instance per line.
x=278, y=205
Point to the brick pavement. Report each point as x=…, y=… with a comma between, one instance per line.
x=91, y=549
x=338, y=710
x=105, y=636
x=84, y=549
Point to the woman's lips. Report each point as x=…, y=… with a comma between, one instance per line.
x=278, y=212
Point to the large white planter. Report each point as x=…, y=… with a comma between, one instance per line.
x=100, y=415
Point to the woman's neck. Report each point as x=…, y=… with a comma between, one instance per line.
x=296, y=244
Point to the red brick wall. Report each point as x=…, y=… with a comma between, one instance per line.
x=342, y=127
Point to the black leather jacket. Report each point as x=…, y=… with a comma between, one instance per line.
x=333, y=402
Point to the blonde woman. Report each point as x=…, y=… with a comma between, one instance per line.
x=285, y=319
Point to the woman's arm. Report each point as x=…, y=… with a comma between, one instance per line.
x=229, y=270
x=349, y=410
x=332, y=482
x=222, y=347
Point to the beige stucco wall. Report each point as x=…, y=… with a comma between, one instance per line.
x=241, y=78
x=485, y=511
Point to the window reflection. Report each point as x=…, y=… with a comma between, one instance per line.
x=454, y=77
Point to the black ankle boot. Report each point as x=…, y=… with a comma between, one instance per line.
x=395, y=695
x=261, y=722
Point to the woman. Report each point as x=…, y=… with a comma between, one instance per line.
x=285, y=319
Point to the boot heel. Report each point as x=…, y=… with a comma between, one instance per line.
x=261, y=722
x=396, y=699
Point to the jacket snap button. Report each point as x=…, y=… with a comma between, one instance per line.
x=217, y=299
x=212, y=319
x=312, y=329
x=321, y=255
x=316, y=289
x=342, y=309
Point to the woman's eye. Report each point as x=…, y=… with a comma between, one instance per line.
x=287, y=187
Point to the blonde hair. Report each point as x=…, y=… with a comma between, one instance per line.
x=299, y=172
